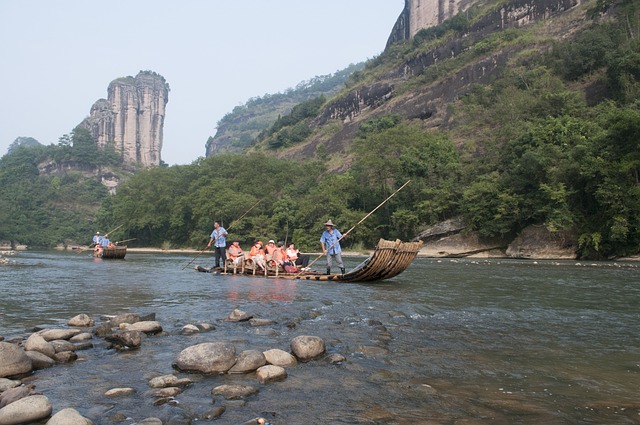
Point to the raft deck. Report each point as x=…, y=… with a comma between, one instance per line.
x=389, y=259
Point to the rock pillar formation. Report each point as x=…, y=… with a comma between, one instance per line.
x=419, y=14
x=132, y=117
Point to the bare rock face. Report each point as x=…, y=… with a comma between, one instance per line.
x=419, y=14
x=131, y=119
x=538, y=242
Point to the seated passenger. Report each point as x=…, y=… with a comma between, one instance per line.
x=236, y=255
x=257, y=255
x=105, y=242
x=296, y=257
x=270, y=249
x=279, y=255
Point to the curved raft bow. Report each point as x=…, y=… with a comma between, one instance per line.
x=389, y=259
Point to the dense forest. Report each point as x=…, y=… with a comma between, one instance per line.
x=554, y=142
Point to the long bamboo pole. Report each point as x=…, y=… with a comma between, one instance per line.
x=356, y=225
x=231, y=225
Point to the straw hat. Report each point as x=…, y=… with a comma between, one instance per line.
x=329, y=223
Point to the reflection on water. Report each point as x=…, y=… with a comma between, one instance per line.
x=446, y=342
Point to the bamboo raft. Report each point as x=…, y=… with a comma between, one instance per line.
x=389, y=259
x=115, y=252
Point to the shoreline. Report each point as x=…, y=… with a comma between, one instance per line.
x=348, y=254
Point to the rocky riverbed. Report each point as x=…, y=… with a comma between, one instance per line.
x=22, y=357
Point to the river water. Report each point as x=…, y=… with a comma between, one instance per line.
x=446, y=342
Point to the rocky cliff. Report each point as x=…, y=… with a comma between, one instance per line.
x=428, y=102
x=419, y=14
x=132, y=117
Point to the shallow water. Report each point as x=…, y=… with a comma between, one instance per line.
x=446, y=342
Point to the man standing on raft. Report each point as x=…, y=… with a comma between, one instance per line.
x=331, y=246
x=219, y=241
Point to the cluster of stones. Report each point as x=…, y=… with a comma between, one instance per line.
x=20, y=404
x=5, y=261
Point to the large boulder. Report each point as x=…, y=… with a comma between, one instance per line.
x=209, y=357
x=13, y=360
x=306, y=347
x=25, y=410
x=68, y=416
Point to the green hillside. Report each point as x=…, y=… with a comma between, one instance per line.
x=238, y=129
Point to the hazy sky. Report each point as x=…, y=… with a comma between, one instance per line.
x=58, y=57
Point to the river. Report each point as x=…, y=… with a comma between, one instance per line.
x=446, y=342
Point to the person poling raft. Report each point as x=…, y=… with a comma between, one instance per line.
x=388, y=259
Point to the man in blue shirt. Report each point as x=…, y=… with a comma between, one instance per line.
x=219, y=241
x=330, y=241
x=97, y=239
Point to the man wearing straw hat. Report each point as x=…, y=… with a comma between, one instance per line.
x=330, y=241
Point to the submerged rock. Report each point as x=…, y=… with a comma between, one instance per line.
x=238, y=316
x=39, y=360
x=234, y=392
x=216, y=412
x=125, y=339
x=148, y=327
x=120, y=392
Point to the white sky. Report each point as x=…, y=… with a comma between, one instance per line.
x=58, y=57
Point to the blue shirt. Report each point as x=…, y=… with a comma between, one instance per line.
x=329, y=239
x=218, y=235
x=105, y=241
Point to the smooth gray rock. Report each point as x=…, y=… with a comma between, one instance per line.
x=84, y=336
x=307, y=347
x=65, y=357
x=125, y=339
x=216, y=412
x=68, y=416
x=36, y=342
x=14, y=394
x=120, y=392
x=81, y=321
x=61, y=345
x=167, y=392
x=25, y=410
x=234, y=392
x=13, y=360
x=279, y=357
x=148, y=327
x=209, y=357
x=270, y=373
x=53, y=334
x=6, y=384
x=150, y=421
x=39, y=360
x=238, y=316
x=114, y=322
x=248, y=361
